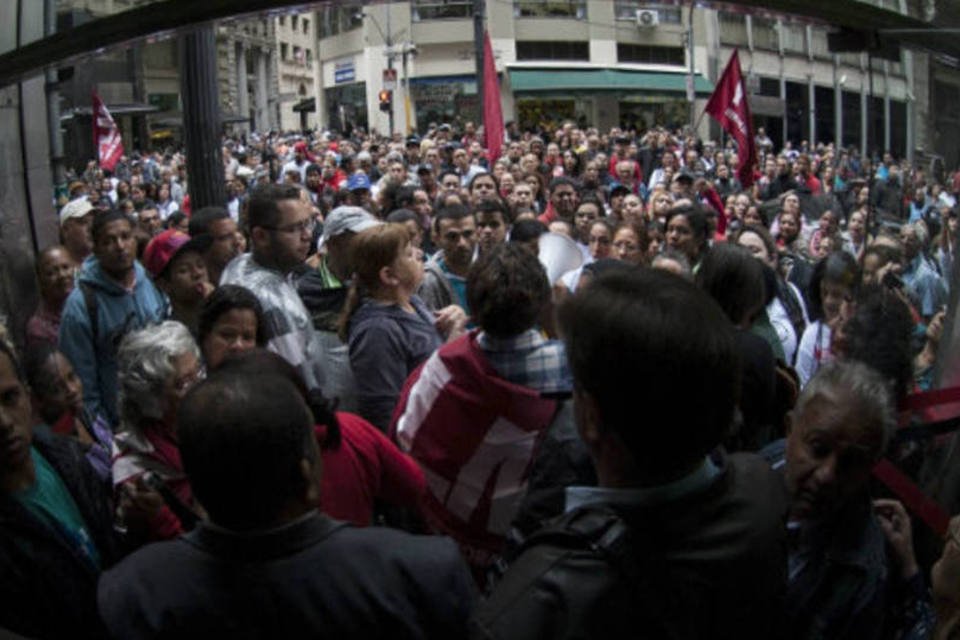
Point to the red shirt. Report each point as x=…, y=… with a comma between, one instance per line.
x=366, y=467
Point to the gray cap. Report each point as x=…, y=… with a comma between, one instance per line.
x=347, y=218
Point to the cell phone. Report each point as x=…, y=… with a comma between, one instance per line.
x=892, y=281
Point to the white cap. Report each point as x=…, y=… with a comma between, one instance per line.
x=75, y=209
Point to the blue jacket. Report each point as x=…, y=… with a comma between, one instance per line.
x=386, y=345
x=118, y=312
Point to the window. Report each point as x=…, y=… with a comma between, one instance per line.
x=281, y=20
x=340, y=19
x=306, y=26
x=550, y=9
x=441, y=10
x=646, y=54
x=284, y=50
x=794, y=38
x=627, y=10
x=293, y=23
x=733, y=28
x=552, y=50
x=309, y=58
x=765, y=34
x=298, y=56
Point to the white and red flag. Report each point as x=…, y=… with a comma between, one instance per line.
x=729, y=106
x=106, y=135
x=492, y=113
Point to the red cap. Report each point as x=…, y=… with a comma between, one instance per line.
x=164, y=247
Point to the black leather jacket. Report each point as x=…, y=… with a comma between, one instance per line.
x=711, y=564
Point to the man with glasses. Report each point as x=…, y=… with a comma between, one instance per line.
x=281, y=228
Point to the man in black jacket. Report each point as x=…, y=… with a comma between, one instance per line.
x=678, y=540
x=268, y=564
x=56, y=526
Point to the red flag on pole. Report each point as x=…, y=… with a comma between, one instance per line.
x=729, y=106
x=492, y=113
x=106, y=135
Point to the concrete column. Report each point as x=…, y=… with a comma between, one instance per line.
x=886, y=121
x=243, y=93
x=783, y=96
x=837, y=107
x=262, y=116
x=864, y=97
x=201, y=121
x=886, y=106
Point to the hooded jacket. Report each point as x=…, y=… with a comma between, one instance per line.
x=93, y=351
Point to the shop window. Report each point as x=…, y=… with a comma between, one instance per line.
x=898, y=128
x=552, y=50
x=441, y=10
x=576, y=9
x=627, y=10
x=851, y=118
x=646, y=54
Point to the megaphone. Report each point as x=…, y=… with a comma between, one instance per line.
x=558, y=254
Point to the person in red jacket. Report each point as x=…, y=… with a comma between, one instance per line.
x=157, y=366
x=474, y=413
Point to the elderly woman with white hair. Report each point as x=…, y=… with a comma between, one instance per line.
x=157, y=366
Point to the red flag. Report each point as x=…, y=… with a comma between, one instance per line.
x=729, y=106
x=106, y=135
x=492, y=113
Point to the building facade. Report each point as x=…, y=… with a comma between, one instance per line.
x=297, y=68
x=619, y=63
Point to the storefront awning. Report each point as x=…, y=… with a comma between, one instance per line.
x=604, y=80
x=306, y=104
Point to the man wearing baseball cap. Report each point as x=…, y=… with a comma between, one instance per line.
x=359, y=187
x=324, y=292
x=75, y=220
x=178, y=268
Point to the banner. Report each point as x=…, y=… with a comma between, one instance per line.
x=492, y=113
x=728, y=105
x=106, y=135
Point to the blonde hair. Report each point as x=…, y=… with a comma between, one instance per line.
x=370, y=251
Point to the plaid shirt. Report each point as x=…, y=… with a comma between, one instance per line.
x=530, y=360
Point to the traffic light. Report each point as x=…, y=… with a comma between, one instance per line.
x=386, y=100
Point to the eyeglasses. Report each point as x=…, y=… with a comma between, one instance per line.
x=306, y=226
x=182, y=385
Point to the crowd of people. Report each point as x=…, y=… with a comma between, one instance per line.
x=356, y=398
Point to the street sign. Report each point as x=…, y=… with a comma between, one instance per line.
x=389, y=79
x=344, y=72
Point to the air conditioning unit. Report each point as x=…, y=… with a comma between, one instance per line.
x=647, y=18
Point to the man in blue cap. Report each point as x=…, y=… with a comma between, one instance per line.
x=359, y=187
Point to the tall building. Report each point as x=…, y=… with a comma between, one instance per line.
x=247, y=74
x=619, y=63
x=297, y=69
